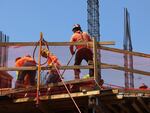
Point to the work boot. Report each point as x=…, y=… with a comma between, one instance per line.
x=77, y=74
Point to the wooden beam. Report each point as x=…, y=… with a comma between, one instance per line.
x=124, y=108
x=102, y=108
x=118, y=101
x=136, y=107
x=127, y=69
x=135, y=91
x=53, y=43
x=143, y=104
x=125, y=51
x=58, y=96
x=95, y=60
x=111, y=98
x=112, y=109
x=148, y=105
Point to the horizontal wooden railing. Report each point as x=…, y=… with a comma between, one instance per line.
x=103, y=66
x=54, y=43
x=124, y=51
x=51, y=67
x=116, y=67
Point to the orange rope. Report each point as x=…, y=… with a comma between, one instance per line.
x=68, y=90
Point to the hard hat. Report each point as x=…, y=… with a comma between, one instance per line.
x=76, y=27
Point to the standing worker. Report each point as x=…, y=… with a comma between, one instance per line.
x=53, y=76
x=25, y=77
x=83, y=51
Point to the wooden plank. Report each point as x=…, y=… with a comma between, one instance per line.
x=78, y=94
x=51, y=67
x=125, y=51
x=127, y=69
x=58, y=96
x=54, y=43
x=19, y=90
x=109, y=92
x=71, y=82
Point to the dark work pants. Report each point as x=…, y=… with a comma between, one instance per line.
x=22, y=74
x=84, y=54
x=53, y=78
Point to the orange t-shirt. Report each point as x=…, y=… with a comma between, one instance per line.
x=22, y=60
x=79, y=36
x=53, y=60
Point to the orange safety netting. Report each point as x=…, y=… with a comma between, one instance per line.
x=110, y=76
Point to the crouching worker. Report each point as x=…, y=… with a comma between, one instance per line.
x=53, y=76
x=25, y=77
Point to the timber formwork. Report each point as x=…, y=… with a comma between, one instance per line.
x=106, y=100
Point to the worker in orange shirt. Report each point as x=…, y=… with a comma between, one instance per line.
x=53, y=76
x=25, y=77
x=83, y=51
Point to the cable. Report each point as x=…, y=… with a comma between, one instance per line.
x=45, y=43
x=69, y=62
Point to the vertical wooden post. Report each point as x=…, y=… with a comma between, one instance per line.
x=96, y=75
x=39, y=68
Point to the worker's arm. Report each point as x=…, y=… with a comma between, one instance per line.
x=72, y=46
x=72, y=50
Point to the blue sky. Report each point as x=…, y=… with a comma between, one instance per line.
x=23, y=20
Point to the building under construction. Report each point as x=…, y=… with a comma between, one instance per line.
x=85, y=95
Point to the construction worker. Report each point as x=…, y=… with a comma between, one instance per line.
x=53, y=76
x=25, y=77
x=83, y=51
